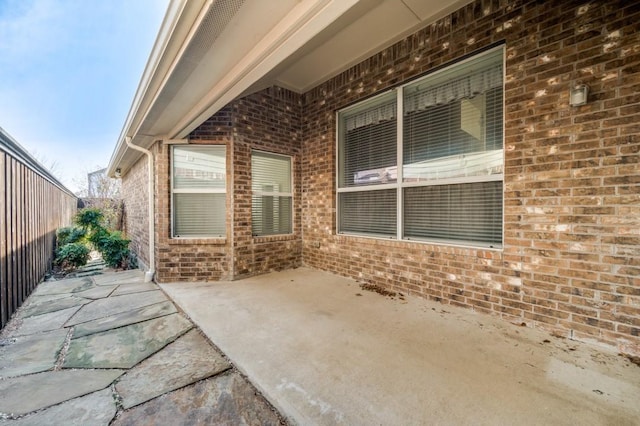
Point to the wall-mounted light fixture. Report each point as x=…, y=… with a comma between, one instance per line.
x=578, y=95
x=118, y=173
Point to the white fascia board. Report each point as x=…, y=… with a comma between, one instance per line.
x=299, y=26
x=180, y=17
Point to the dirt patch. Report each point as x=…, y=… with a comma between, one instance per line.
x=634, y=359
x=377, y=289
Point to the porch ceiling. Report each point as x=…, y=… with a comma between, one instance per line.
x=209, y=52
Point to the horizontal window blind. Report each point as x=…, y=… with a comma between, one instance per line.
x=368, y=149
x=198, y=215
x=271, y=215
x=368, y=212
x=198, y=184
x=469, y=212
x=272, y=200
x=199, y=167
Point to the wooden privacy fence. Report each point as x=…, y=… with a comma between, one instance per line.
x=33, y=204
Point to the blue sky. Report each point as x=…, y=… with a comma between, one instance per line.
x=68, y=73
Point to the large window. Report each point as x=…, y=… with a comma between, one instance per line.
x=434, y=171
x=198, y=189
x=271, y=208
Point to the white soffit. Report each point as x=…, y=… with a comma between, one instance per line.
x=371, y=26
x=211, y=54
x=379, y=25
x=431, y=10
x=297, y=28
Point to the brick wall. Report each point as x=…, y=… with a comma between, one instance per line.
x=190, y=259
x=268, y=121
x=571, y=256
x=136, y=210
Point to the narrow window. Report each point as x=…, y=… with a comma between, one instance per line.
x=452, y=154
x=198, y=189
x=272, y=197
x=368, y=168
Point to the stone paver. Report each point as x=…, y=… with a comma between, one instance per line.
x=44, y=305
x=129, y=348
x=132, y=276
x=73, y=285
x=222, y=400
x=22, y=395
x=95, y=409
x=114, y=305
x=96, y=292
x=124, y=318
x=45, y=322
x=126, y=346
x=30, y=354
x=134, y=288
x=185, y=361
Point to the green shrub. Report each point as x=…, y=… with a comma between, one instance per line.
x=70, y=234
x=113, y=247
x=72, y=255
x=90, y=219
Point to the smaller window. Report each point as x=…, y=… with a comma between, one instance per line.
x=272, y=200
x=198, y=191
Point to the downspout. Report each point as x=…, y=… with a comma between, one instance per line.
x=148, y=276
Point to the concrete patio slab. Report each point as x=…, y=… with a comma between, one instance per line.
x=124, y=318
x=126, y=346
x=116, y=305
x=44, y=304
x=22, y=395
x=227, y=399
x=30, y=354
x=45, y=322
x=324, y=351
x=183, y=362
x=95, y=409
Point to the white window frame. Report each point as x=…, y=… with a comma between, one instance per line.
x=174, y=190
x=399, y=185
x=275, y=193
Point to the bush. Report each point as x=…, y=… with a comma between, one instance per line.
x=113, y=247
x=70, y=234
x=90, y=219
x=72, y=256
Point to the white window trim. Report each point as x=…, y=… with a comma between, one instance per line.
x=173, y=191
x=399, y=185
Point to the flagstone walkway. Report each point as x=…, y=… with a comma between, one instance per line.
x=110, y=349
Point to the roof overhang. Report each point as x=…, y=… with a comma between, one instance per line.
x=210, y=52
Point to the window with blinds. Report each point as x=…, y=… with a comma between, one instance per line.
x=445, y=130
x=198, y=191
x=272, y=195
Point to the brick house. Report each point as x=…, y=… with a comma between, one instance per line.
x=443, y=149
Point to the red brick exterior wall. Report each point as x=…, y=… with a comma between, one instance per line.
x=135, y=194
x=189, y=259
x=267, y=121
x=571, y=257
